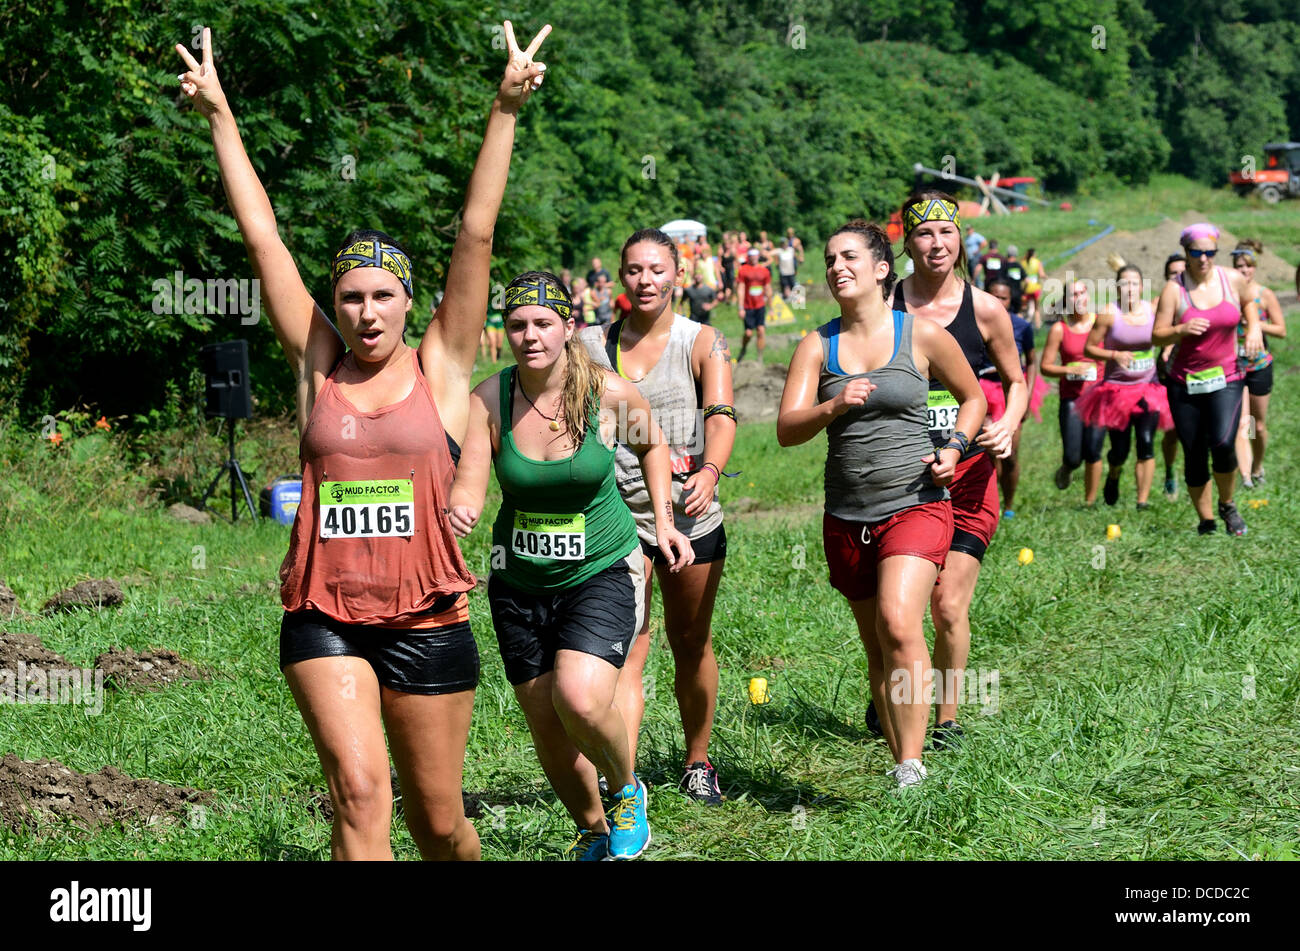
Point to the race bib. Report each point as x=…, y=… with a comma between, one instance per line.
x=1206, y=381
x=1143, y=360
x=755, y=290
x=1081, y=372
x=549, y=536
x=941, y=412
x=376, y=508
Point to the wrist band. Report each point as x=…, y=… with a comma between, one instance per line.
x=720, y=409
x=717, y=473
x=958, y=441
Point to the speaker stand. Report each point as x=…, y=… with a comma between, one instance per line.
x=237, y=480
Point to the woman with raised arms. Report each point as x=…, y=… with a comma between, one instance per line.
x=375, y=636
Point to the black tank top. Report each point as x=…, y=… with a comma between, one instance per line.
x=964, y=329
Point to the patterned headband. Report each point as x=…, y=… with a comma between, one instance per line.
x=521, y=293
x=370, y=253
x=935, y=209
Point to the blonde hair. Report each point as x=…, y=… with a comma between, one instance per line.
x=584, y=385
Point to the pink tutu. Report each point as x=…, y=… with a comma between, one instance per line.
x=997, y=400
x=1113, y=405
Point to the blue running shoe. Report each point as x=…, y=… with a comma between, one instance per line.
x=589, y=846
x=629, y=830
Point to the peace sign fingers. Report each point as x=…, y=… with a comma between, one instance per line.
x=522, y=75
x=200, y=83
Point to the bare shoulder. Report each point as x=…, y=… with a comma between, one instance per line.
x=987, y=307
x=489, y=393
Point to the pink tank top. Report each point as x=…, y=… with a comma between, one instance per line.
x=371, y=543
x=1136, y=338
x=1072, y=343
x=1217, y=347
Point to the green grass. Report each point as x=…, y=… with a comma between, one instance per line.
x=1125, y=725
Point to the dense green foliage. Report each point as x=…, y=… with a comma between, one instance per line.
x=755, y=115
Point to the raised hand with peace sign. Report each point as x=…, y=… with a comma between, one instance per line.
x=523, y=75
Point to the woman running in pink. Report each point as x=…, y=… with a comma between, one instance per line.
x=1200, y=312
x=1252, y=436
x=1128, y=402
x=1063, y=358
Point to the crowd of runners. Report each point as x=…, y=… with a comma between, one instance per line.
x=609, y=436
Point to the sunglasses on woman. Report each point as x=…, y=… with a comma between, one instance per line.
x=1197, y=253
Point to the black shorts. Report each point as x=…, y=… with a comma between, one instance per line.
x=787, y=282
x=601, y=617
x=442, y=660
x=1260, y=382
x=707, y=548
x=755, y=317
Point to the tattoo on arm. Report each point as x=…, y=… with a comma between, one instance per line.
x=720, y=347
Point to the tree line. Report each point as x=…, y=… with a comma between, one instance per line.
x=758, y=115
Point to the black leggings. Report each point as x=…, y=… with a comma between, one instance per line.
x=1144, y=424
x=1206, y=424
x=1079, y=443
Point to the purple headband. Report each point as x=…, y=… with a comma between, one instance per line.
x=1198, y=231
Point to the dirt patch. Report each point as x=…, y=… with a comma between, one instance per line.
x=96, y=593
x=149, y=670
x=9, y=607
x=29, y=650
x=757, y=390
x=35, y=793
x=1149, y=249
x=187, y=513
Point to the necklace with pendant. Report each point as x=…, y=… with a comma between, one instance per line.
x=553, y=421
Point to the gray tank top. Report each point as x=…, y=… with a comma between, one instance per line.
x=670, y=390
x=874, y=451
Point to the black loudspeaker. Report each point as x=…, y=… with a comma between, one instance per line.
x=226, y=389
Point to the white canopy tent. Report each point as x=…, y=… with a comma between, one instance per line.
x=684, y=228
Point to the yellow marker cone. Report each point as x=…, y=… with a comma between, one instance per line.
x=1026, y=556
x=758, y=691
x=1112, y=532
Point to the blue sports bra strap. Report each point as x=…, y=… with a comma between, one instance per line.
x=833, y=343
x=898, y=333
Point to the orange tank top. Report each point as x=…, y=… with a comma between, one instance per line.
x=371, y=543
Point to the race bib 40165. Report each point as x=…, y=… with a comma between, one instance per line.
x=374, y=508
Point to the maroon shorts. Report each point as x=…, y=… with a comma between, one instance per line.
x=854, y=550
x=974, y=491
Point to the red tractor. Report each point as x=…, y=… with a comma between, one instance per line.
x=1278, y=179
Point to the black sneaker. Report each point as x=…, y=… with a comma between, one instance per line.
x=1062, y=478
x=1143, y=506
x=700, y=782
x=1208, y=526
x=946, y=736
x=1232, y=520
x=873, y=720
x=1110, y=491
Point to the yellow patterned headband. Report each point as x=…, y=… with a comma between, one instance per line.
x=934, y=209
x=370, y=253
x=523, y=292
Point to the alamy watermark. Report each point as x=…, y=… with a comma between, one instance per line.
x=934, y=686
x=81, y=687
x=181, y=295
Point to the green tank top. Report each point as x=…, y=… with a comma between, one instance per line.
x=562, y=521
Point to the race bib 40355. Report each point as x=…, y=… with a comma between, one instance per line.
x=374, y=508
x=549, y=536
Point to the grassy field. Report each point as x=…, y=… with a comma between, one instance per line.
x=1148, y=686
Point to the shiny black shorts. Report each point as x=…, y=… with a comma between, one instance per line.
x=444, y=660
x=601, y=617
x=707, y=548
